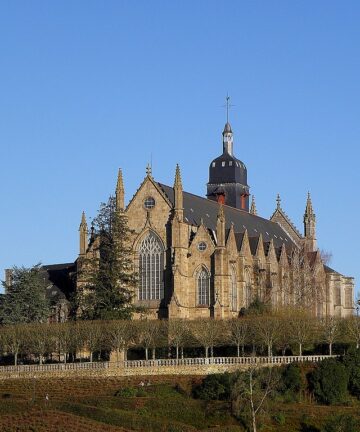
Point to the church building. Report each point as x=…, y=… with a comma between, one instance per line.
x=212, y=256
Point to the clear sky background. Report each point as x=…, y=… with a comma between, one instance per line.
x=87, y=87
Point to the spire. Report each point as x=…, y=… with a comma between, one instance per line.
x=310, y=226
x=178, y=194
x=253, y=206
x=220, y=227
x=120, y=192
x=309, y=208
x=83, y=234
x=177, y=182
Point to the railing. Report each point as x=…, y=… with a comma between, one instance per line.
x=223, y=361
x=163, y=363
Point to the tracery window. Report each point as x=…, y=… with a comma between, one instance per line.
x=151, y=266
x=203, y=287
x=234, y=295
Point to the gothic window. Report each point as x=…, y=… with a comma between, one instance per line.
x=234, y=296
x=203, y=287
x=151, y=266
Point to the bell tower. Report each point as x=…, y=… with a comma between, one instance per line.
x=228, y=176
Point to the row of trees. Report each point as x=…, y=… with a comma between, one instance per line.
x=252, y=335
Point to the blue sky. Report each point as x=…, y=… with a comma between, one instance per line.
x=87, y=87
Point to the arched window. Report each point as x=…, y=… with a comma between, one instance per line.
x=234, y=295
x=203, y=287
x=247, y=293
x=151, y=267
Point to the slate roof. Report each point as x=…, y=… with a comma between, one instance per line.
x=197, y=208
x=59, y=281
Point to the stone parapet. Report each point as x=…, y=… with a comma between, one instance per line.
x=188, y=366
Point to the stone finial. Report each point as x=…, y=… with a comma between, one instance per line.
x=177, y=182
x=309, y=208
x=253, y=206
x=83, y=234
x=120, y=191
x=310, y=226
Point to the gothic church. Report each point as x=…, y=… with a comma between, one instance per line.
x=211, y=257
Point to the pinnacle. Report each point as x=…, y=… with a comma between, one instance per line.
x=83, y=220
x=221, y=212
x=177, y=176
x=120, y=183
x=309, y=208
x=253, y=209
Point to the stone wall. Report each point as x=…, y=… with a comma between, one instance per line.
x=190, y=366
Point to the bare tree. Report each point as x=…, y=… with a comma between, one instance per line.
x=178, y=334
x=307, y=285
x=150, y=335
x=209, y=333
x=267, y=330
x=251, y=389
x=13, y=340
x=66, y=338
x=301, y=327
x=330, y=330
x=39, y=340
x=92, y=336
x=239, y=333
x=121, y=336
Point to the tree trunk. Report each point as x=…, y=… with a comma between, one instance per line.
x=153, y=353
x=91, y=356
x=283, y=351
x=40, y=359
x=15, y=359
x=146, y=354
x=177, y=352
x=238, y=350
x=330, y=348
x=65, y=357
x=269, y=350
x=182, y=352
x=243, y=350
x=125, y=354
x=300, y=349
x=212, y=351
x=206, y=352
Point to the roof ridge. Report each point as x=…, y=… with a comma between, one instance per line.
x=224, y=205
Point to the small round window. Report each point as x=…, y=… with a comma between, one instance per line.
x=149, y=203
x=202, y=246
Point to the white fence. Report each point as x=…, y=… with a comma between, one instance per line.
x=164, y=363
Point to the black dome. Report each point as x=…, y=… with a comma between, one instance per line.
x=227, y=169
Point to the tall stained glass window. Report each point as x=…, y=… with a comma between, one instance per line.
x=151, y=268
x=203, y=287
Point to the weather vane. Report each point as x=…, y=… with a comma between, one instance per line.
x=227, y=105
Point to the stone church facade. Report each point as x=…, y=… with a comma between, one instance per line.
x=211, y=257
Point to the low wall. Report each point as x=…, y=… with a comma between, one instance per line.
x=188, y=366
